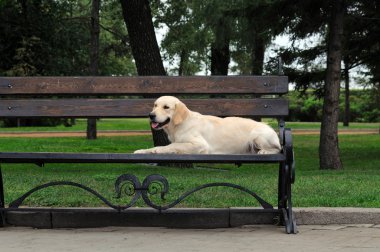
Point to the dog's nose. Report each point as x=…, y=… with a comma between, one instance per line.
x=152, y=116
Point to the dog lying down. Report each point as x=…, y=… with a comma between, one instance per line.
x=193, y=133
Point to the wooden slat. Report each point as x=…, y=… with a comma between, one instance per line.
x=154, y=85
x=137, y=107
x=51, y=157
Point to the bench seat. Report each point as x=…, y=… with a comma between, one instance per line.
x=59, y=157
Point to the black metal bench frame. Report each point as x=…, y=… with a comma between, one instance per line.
x=17, y=101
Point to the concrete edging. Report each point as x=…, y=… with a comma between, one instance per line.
x=185, y=217
x=341, y=215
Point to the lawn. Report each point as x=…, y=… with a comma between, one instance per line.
x=142, y=124
x=358, y=185
x=81, y=124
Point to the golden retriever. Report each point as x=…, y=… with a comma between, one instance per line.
x=193, y=133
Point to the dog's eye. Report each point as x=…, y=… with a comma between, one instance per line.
x=166, y=107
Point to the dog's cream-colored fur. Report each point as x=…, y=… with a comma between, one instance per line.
x=193, y=133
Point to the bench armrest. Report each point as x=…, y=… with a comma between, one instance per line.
x=289, y=153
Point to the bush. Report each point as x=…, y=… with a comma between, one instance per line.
x=364, y=107
x=32, y=122
x=304, y=108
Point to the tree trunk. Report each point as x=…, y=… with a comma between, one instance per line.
x=94, y=59
x=138, y=19
x=346, y=119
x=220, y=49
x=220, y=59
x=329, y=157
x=183, y=59
x=258, y=56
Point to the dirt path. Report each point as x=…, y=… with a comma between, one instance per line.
x=146, y=132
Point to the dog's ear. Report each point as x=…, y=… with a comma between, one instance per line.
x=180, y=113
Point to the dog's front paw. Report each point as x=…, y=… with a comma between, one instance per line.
x=268, y=151
x=155, y=150
x=143, y=151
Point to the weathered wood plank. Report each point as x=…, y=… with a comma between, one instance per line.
x=154, y=85
x=113, y=108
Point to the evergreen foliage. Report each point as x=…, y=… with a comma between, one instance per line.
x=46, y=37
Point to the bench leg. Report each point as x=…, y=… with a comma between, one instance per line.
x=290, y=222
x=2, y=203
x=281, y=187
x=285, y=204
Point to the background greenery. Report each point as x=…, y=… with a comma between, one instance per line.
x=45, y=37
x=364, y=106
x=143, y=124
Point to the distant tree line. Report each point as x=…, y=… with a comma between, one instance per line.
x=365, y=107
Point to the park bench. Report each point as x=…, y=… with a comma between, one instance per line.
x=133, y=97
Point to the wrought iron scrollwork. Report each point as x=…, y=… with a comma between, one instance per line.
x=130, y=186
x=152, y=184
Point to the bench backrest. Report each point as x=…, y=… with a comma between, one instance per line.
x=113, y=97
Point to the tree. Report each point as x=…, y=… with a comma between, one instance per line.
x=329, y=157
x=306, y=18
x=185, y=44
x=199, y=33
x=220, y=47
x=138, y=19
x=45, y=37
x=361, y=42
x=94, y=58
x=213, y=32
x=364, y=49
x=346, y=118
x=255, y=29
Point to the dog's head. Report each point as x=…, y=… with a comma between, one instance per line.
x=167, y=110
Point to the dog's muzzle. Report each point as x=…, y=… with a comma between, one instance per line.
x=157, y=125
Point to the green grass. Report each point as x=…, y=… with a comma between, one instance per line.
x=358, y=185
x=317, y=125
x=142, y=124
x=81, y=124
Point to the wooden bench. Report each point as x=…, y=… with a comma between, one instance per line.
x=122, y=97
